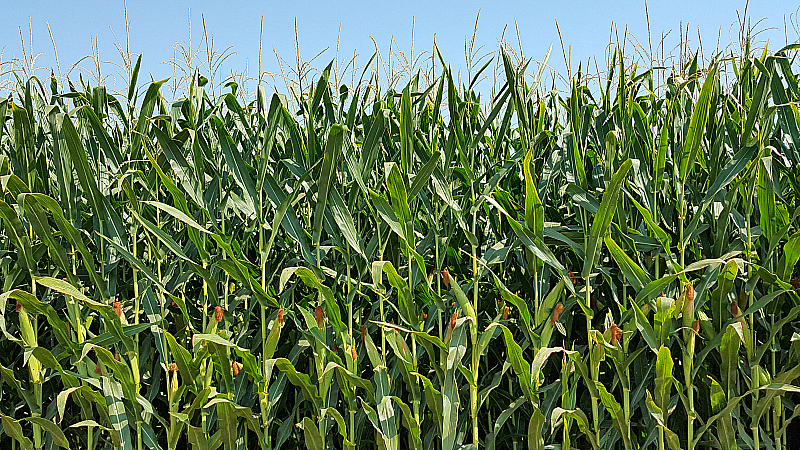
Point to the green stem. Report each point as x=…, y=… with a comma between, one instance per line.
x=438, y=276
x=475, y=349
x=134, y=359
x=595, y=410
x=414, y=362
x=590, y=350
x=171, y=444
x=776, y=402
x=265, y=389
x=28, y=329
x=80, y=335
x=753, y=379
x=681, y=218
x=380, y=295
x=535, y=286
x=203, y=411
x=351, y=366
x=688, y=360
x=626, y=387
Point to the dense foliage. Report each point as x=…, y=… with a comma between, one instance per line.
x=607, y=267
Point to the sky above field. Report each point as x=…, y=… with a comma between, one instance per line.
x=79, y=28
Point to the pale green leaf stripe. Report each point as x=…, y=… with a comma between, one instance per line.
x=116, y=410
x=178, y=214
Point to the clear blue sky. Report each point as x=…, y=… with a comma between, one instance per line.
x=157, y=25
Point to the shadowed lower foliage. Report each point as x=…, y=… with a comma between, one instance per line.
x=609, y=267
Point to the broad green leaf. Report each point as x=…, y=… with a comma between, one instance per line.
x=635, y=275
x=116, y=409
x=602, y=221
x=330, y=162
x=697, y=125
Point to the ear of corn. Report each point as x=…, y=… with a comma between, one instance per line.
x=418, y=266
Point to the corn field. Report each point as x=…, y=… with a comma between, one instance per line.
x=609, y=266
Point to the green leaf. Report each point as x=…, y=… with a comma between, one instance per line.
x=791, y=254
x=345, y=222
x=151, y=98
x=226, y=418
x=756, y=104
x=406, y=130
x=661, y=155
x=300, y=380
x=656, y=230
x=397, y=190
x=333, y=150
x=521, y=367
x=729, y=351
x=602, y=220
x=189, y=371
x=580, y=417
x=311, y=280
x=116, y=410
x=635, y=275
x=236, y=165
x=424, y=175
x=389, y=441
x=664, y=380
x=615, y=410
x=12, y=428
x=110, y=221
x=409, y=311
x=273, y=120
x=178, y=214
x=772, y=217
x=697, y=126
x=502, y=419
x=55, y=431
x=73, y=236
x=535, y=439
x=534, y=210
